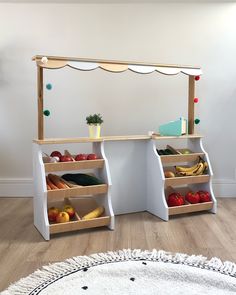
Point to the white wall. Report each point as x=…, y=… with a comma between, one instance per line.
x=183, y=33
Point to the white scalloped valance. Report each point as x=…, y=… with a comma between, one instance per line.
x=116, y=67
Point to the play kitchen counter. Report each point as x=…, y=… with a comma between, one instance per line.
x=158, y=186
x=144, y=180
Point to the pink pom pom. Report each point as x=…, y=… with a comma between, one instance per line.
x=195, y=100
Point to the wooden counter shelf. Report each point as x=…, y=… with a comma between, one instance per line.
x=79, y=224
x=182, y=180
x=54, y=195
x=181, y=158
x=88, y=139
x=187, y=136
x=188, y=208
x=77, y=165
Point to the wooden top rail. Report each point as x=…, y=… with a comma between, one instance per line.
x=118, y=62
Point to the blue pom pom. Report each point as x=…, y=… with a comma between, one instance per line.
x=46, y=113
x=49, y=86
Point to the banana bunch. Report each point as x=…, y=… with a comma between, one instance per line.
x=197, y=169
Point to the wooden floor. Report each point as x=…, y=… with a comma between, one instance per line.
x=23, y=250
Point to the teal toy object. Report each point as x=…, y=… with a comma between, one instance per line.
x=197, y=121
x=46, y=113
x=174, y=128
x=49, y=86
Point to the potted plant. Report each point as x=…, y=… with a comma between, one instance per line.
x=94, y=122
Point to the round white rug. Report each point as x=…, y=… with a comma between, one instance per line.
x=131, y=272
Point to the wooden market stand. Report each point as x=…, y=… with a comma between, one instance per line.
x=87, y=198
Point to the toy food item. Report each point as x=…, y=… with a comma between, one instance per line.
x=52, y=214
x=94, y=214
x=81, y=157
x=82, y=179
x=169, y=174
x=197, y=169
x=50, y=183
x=62, y=217
x=66, y=158
x=192, y=198
x=56, y=154
x=70, y=210
x=91, y=157
x=57, y=181
x=175, y=199
x=204, y=196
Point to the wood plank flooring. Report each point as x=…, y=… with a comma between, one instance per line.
x=23, y=250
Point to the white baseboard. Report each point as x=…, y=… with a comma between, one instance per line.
x=224, y=187
x=16, y=187
x=23, y=187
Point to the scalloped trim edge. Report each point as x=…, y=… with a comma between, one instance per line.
x=54, y=271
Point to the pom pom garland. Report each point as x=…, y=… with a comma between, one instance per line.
x=46, y=113
x=195, y=100
x=44, y=60
x=197, y=78
x=197, y=121
x=49, y=86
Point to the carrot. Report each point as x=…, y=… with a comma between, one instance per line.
x=56, y=181
x=65, y=184
x=52, y=186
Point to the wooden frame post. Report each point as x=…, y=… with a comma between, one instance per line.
x=40, y=102
x=191, y=95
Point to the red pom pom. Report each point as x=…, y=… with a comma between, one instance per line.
x=195, y=100
x=197, y=78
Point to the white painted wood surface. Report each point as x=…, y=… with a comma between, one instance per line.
x=40, y=193
x=104, y=175
x=156, y=202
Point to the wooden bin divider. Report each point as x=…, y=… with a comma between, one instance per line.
x=182, y=180
x=58, y=194
x=77, y=165
x=188, y=208
x=166, y=159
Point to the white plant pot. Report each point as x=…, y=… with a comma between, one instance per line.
x=94, y=131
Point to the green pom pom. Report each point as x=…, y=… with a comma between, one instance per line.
x=197, y=121
x=49, y=86
x=46, y=113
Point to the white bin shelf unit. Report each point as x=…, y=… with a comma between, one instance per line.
x=159, y=187
x=84, y=199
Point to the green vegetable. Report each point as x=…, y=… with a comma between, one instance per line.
x=82, y=179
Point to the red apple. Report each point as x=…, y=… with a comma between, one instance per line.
x=92, y=157
x=56, y=154
x=81, y=157
x=192, y=198
x=66, y=158
x=204, y=196
x=52, y=214
x=62, y=217
x=70, y=210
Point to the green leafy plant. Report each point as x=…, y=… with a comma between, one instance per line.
x=94, y=119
